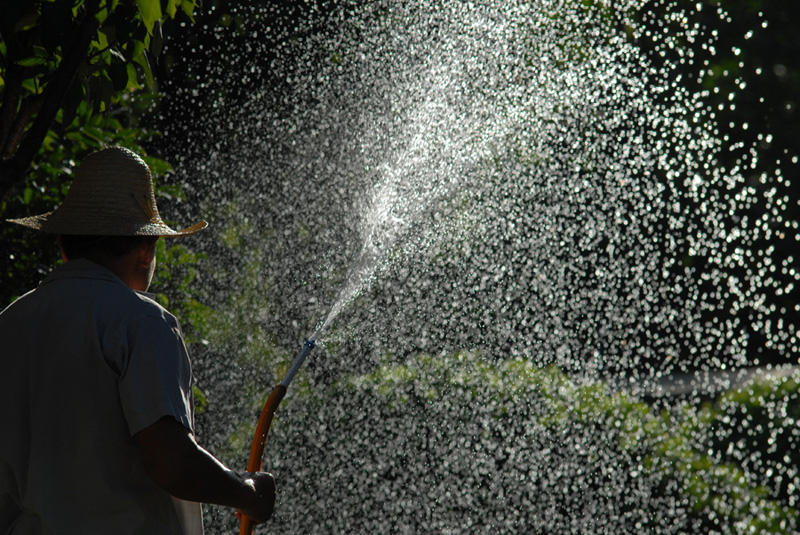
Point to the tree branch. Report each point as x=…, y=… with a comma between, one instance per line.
x=12, y=170
x=13, y=79
x=29, y=107
x=11, y=95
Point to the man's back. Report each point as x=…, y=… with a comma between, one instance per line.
x=83, y=368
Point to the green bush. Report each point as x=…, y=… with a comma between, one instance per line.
x=461, y=445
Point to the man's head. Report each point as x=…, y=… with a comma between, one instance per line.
x=110, y=216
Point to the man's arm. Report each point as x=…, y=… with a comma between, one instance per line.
x=177, y=464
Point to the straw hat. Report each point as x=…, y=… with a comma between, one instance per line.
x=111, y=195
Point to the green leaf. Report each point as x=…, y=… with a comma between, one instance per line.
x=133, y=78
x=172, y=8
x=188, y=7
x=172, y=191
x=137, y=48
x=122, y=26
x=150, y=11
x=27, y=195
x=106, y=92
x=157, y=41
x=29, y=85
x=31, y=61
x=39, y=56
x=93, y=133
x=144, y=62
x=27, y=21
x=200, y=399
x=102, y=40
x=110, y=31
x=157, y=166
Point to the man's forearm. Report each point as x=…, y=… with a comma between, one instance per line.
x=183, y=468
x=198, y=476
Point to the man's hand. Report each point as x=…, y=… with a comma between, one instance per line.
x=263, y=485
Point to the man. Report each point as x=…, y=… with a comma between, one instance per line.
x=96, y=409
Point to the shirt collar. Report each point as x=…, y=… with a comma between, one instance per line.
x=86, y=269
x=83, y=269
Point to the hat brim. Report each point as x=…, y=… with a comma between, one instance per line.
x=52, y=224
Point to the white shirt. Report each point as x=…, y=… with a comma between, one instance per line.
x=85, y=364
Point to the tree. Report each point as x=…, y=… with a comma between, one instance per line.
x=70, y=75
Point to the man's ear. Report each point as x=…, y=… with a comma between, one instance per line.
x=146, y=251
x=61, y=248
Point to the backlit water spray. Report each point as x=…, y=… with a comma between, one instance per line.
x=426, y=165
x=464, y=200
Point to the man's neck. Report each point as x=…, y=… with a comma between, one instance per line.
x=124, y=267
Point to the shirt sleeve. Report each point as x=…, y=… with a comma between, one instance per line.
x=157, y=380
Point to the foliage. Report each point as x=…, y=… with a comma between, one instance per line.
x=469, y=445
x=74, y=77
x=759, y=417
x=57, y=56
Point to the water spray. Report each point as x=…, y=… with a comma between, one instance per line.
x=359, y=274
x=254, y=464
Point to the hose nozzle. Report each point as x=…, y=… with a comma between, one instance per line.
x=307, y=347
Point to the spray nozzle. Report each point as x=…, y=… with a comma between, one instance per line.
x=307, y=347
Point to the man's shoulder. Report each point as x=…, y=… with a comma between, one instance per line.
x=17, y=303
x=148, y=304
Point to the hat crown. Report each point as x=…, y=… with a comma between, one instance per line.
x=116, y=185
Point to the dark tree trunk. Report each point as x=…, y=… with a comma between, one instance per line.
x=20, y=146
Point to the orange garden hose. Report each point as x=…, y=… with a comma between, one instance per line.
x=265, y=422
x=259, y=441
